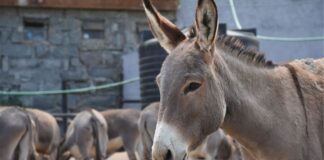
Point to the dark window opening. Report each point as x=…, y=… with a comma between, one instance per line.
x=35, y=28
x=93, y=29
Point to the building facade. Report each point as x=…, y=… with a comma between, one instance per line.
x=49, y=47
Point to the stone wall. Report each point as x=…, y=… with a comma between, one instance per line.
x=66, y=54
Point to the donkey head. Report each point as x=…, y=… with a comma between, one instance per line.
x=192, y=99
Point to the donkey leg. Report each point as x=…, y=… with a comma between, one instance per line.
x=9, y=145
x=54, y=154
x=131, y=154
x=26, y=148
x=129, y=146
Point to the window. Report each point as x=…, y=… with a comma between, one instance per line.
x=93, y=29
x=35, y=28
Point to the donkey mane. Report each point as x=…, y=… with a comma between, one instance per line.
x=236, y=48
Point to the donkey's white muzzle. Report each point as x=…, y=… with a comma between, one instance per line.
x=168, y=143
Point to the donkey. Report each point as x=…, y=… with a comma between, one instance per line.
x=216, y=146
x=274, y=111
x=146, y=126
x=17, y=134
x=86, y=136
x=123, y=131
x=48, y=133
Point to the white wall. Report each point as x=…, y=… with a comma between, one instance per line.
x=284, y=18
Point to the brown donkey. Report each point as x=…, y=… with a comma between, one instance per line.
x=48, y=133
x=217, y=146
x=275, y=112
x=123, y=131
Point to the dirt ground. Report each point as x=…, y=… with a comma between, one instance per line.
x=119, y=156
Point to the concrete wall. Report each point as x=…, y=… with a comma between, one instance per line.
x=283, y=18
x=65, y=55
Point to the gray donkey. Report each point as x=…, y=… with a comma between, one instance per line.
x=86, y=137
x=17, y=134
x=273, y=111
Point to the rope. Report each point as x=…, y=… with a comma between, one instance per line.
x=77, y=90
x=236, y=20
x=271, y=38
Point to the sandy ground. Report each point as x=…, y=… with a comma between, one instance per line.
x=119, y=156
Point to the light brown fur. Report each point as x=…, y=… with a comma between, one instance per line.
x=275, y=112
x=48, y=133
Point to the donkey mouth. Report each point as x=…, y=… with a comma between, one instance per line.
x=168, y=155
x=184, y=156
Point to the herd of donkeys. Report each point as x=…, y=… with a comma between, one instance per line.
x=28, y=133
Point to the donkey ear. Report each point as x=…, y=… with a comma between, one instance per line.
x=207, y=21
x=165, y=31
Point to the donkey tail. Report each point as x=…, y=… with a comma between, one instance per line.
x=95, y=134
x=26, y=145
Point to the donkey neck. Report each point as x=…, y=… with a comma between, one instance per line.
x=255, y=97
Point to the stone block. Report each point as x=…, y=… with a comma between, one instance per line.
x=24, y=63
x=27, y=100
x=23, y=75
x=75, y=74
x=50, y=74
x=18, y=51
x=75, y=62
x=75, y=36
x=5, y=34
x=29, y=86
x=42, y=50
x=58, y=23
x=63, y=52
x=10, y=12
x=51, y=63
x=10, y=21
x=92, y=44
x=66, y=64
x=58, y=37
x=108, y=59
x=91, y=59
x=6, y=77
x=80, y=84
x=119, y=41
x=18, y=35
x=71, y=23
x=55, y=37
x=48, y=102
x=104, y=72
x=81, y=102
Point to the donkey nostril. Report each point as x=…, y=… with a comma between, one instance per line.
x=168, y=155
x=184, y=157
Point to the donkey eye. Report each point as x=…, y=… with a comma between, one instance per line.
x=192, y=87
